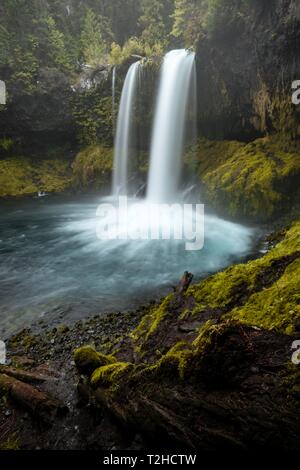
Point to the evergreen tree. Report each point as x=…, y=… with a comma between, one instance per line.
x=155, y=21
x=188, y=20
x=56, y=46
x=93, y=45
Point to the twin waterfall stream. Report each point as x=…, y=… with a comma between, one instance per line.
x=176, y=92
x=53, y=262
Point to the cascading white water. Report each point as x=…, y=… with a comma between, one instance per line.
x=123, y=140
x=113, y=97
x=169, y=126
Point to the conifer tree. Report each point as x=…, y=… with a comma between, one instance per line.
x=93, y=44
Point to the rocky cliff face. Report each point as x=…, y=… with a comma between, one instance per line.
x=44, y=115
x=245, y=71
x=47, y=114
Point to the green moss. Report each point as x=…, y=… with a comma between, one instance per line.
x=109, y=374
x=272, y=307
x=54, y=176
x=93, y=167
x=177, y=357
x=276, y=307
x=208, y=155
x=21, y=176
x=87, y=359
x=151, y=321
x=22, y=339
x=6, y=144
x=206, y=335
x=12, y=443
x=255, y=180
x=262, y=293
x=180, y=358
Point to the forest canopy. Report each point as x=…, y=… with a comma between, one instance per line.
x=68, y=33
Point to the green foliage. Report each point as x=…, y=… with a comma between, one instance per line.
x=188, y=20
x=92, y=112
x=21, y=176
x=225, y=15
x=155, y=21
x=93, y=45
x=255, y=180
x=25, y=66
x=56, y=45
x=6, y=144
x=93, y=167
x=134, y=46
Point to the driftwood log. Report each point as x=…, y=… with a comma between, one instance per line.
x=24, y=375
x=37, y=402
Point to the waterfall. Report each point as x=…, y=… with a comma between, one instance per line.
x=113, y=98
x=175, y=90
x=123, y=140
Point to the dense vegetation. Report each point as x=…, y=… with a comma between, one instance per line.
x=56, y=58
x=209, y=366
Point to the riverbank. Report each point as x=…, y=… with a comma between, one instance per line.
x=221, y=347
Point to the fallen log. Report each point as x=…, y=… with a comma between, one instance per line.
x=24, y=375
x=30, y=398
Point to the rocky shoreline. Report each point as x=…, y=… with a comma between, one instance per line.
x=208, y=367
x=50, y=353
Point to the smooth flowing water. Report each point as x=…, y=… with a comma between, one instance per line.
x=113, y=97
x=124, y=131
x=53, y=266
x=169, y=126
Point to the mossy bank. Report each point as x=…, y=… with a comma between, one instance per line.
x=209, y=367
x=206, y=351
x=25, y=177
x=89, y=171
x=257, y=181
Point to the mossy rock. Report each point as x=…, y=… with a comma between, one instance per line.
x=87, y=359
x=23, y=339
x=151, y=321
x=256, y=181
x=23, y=177
x=263, y=293
x=108, y=375
x=93, y=167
